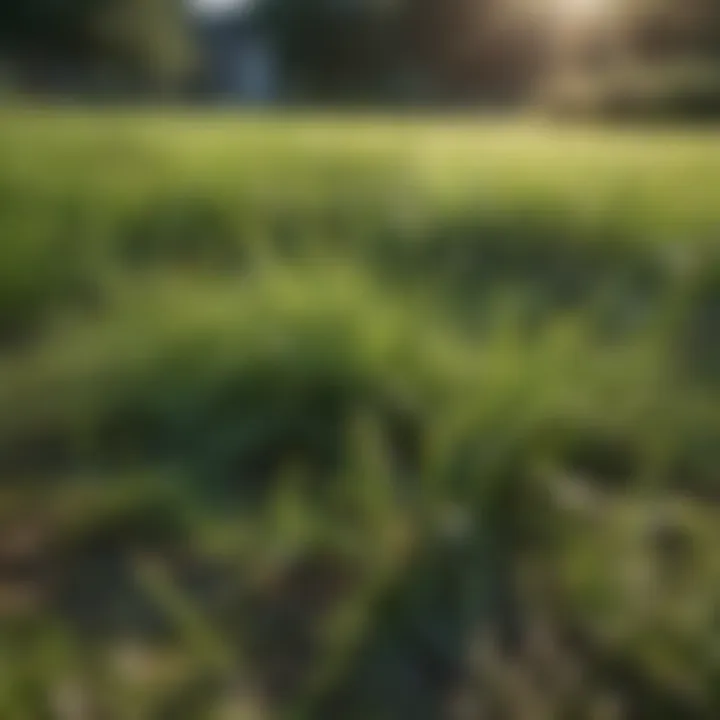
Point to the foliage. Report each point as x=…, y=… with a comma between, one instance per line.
x=387, y=51
x=116, y=43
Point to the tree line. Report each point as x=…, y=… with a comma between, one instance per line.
x=442, y=50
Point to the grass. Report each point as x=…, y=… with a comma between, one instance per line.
x=357, y=418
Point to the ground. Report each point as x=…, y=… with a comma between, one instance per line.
x=298, y=413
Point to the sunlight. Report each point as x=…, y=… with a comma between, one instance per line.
x=579, y=10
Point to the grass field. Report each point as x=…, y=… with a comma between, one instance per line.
x=312, y=417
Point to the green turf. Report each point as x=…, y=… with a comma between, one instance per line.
x=298, y=413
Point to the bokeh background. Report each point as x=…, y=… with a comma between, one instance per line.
x=607, y=57
x=359, y=360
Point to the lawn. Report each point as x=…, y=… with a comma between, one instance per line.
x=317, y=417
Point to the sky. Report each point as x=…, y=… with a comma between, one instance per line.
x=218, y=7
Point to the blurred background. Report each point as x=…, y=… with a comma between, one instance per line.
x=604, y=56
x=359, y=360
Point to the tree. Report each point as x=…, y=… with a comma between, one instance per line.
x=149, y=39
x=335, y=49
x=144, y=41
